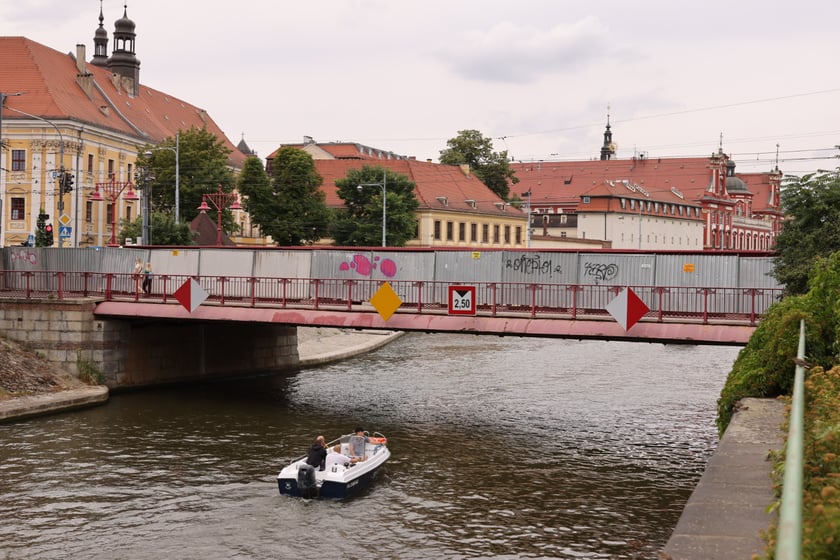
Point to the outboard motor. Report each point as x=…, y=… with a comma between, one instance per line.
x=306, y=481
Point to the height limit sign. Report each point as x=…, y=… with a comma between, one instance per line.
x=462, y=300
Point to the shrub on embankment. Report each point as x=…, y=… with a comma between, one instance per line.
x=765, y=367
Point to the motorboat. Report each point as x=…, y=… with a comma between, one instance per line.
x=338, y=481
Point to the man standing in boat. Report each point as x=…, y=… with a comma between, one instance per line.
x=317, y=453
x=358, y=444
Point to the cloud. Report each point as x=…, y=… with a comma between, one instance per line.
x=514, y=53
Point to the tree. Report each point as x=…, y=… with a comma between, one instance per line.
x=164, y=230
x=291, y=208
x=43, y=238
x=492, y=168
x=360, y=223
x=203, y=166
x=812, y=204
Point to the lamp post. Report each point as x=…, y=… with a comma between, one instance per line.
x=111, y=192
x=60, y=162
x=528, y=230
x=383, y=186
x=220, y=199
x=177, y=151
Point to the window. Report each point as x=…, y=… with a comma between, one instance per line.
x=18, y=209
x=496, y=233
x=449, y=231
x=507, y=235
x=485, y=233
x=109, y=214
x=586, y=200
x=18, y=160
x=563, y=234
x=128, y=213
x=111, y=173
x=88, y=211
x=563, y=218
x=473, y=232
x=462, y=231
x=437, y=229
x=90, y=164
x=518, y=235
x=130, y=176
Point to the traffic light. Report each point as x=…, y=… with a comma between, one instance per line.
x=48, y=230
x=67, y=183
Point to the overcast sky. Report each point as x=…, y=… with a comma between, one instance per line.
x=537, y=76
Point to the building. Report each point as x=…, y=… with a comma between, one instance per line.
x=680, y=203
x=63, y=115
x=455, y=208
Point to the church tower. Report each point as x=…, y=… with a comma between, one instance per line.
x=100, y=42
x=609, y=147
x=123, y=62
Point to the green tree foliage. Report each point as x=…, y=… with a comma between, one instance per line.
x=164, y=230
x=360, y=223
x=42, y=238
x=765, y=368
x=290, y=207
x=493, y=168
x=203, y=166
x=812, y=204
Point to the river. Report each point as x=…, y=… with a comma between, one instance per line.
x=501, y=448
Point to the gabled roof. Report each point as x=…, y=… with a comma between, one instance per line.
x=669, y=180
x=48, y=79
x=437, y=187
x=341, y=150
x=205, y=231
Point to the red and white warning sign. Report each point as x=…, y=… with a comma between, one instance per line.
x=190, y=295
x=462, y=300
x=627, y=308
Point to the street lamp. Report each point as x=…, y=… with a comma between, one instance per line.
x=60, y=160
x=176, y=150
x=382, y=186
x=111, y=192
x=528, y=230
x=220, y=200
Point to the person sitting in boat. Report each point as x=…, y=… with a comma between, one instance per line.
x=358, y=443
x=317, y=453
x=339, y=458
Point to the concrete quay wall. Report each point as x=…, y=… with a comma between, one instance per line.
x=136, y=353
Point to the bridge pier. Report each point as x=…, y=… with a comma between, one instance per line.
x=143, y=352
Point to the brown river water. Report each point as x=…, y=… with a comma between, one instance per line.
x=501, y=448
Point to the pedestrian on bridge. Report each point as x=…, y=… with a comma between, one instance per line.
x=147, y=279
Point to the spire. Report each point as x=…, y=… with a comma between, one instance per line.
x=123, y=61
x=608, y=149
x=100, y=42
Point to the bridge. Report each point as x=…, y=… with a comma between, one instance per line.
x=678, y=314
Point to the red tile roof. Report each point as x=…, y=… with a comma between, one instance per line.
x=563, y=183
x=48, y=79
x=432, y=181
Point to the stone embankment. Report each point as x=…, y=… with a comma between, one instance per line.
x=32, y=386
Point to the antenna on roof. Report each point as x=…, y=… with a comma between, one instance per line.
x=720, y=148
x=777, y=156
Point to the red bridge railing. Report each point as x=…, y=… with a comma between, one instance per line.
x=562, y=301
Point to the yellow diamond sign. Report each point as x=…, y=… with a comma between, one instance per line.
x=385, y=301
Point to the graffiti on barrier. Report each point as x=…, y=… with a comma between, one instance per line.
x=26, y=256
x=533, y=264
x=601, y=272
x=365, y=267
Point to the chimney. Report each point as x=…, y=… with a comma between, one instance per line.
x=80, y=60
x=465, y=169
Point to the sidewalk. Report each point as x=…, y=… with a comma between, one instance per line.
x=320, y=345
x=316, y=345
x=727, y=512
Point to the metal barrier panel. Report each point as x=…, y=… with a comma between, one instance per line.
x=616, y=270
x=697, y=270
x=283, y=264
x=542, y=267
x=756, y=272
x=466, y=267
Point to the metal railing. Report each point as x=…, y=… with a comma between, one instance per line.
x=703, y=305
x=789, y=536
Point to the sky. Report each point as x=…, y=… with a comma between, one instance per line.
x=538, y=77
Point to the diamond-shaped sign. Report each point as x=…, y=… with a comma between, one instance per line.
x=385, y=301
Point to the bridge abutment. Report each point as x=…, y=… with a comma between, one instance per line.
x=143, y=352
